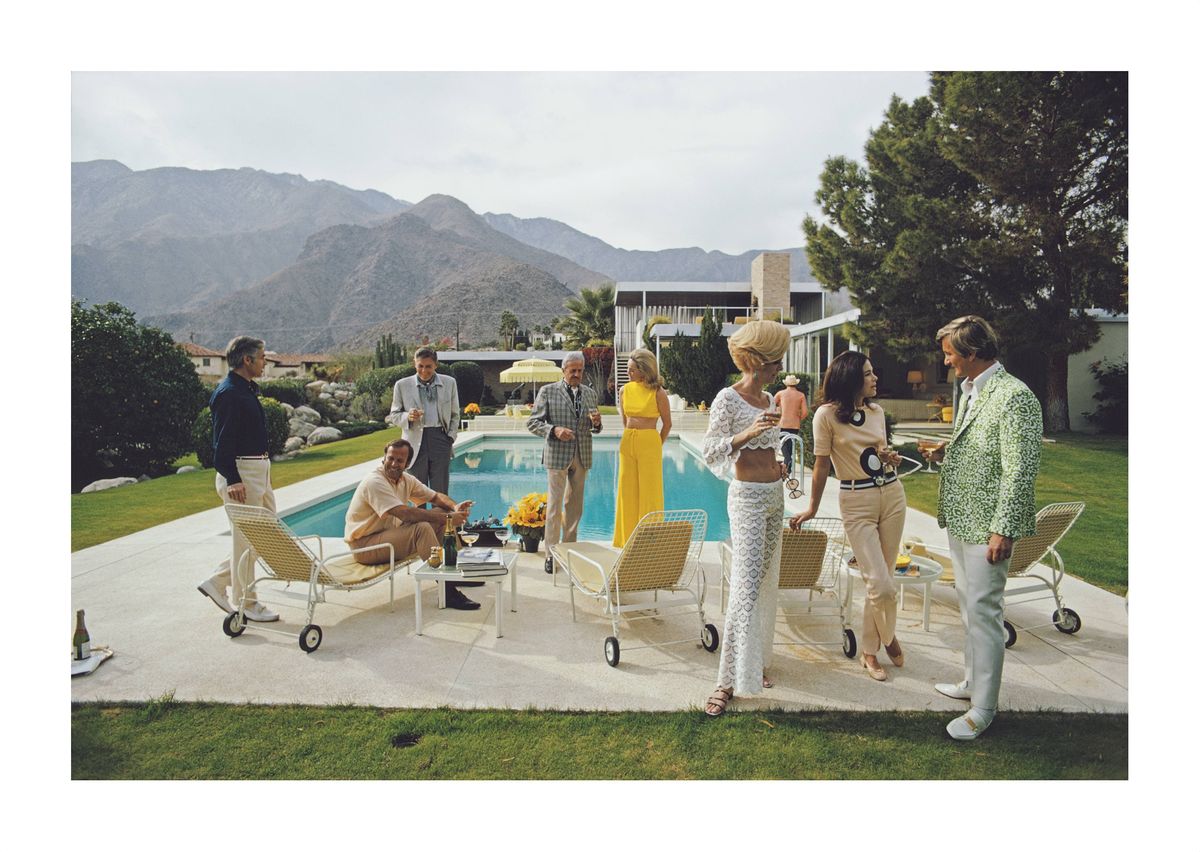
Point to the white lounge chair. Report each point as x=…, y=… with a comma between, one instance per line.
x=1038, y=551
x=810, y=563
x=661, y=557
x=286, y=558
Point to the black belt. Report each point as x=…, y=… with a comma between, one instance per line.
x=871, y=482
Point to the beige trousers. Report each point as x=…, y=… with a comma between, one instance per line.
x=564, y=502
x=874, y=522
x=406, y=540
x=256, y=476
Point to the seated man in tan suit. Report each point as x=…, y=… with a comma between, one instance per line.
x=382, y=512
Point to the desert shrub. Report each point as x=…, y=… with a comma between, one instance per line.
x=376, y=382
x=365, y=406
x=469, y=377
x=697, y=368
x=134, y=395
x=202, y=437
x=354, y=428
x=290, y=391
x=1112, y=415
x=329, y=412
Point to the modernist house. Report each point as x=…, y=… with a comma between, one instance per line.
x=818, y=321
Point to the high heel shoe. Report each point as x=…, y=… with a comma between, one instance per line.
x=896, y=658
x=876, y=673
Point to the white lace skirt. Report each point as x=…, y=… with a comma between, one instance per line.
x=755, y=519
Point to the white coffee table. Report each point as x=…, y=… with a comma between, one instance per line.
x=930, y=571
x=424, y=572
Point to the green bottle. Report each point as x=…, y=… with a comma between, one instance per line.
x=449, y=545
x=81, y=643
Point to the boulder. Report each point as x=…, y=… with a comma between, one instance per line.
x=105, y=484
x=309, y=415
x=293, y=443
x=324, y=435
x=325, y=395
x=187, y=468
x=285, y=456
x=300, y=428
x=145, y=477
x=289, y=410
x=342, y=396
x=314, y=388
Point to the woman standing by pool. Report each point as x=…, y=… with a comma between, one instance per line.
x=743, y=433
x=642, y=404
x=850, y=429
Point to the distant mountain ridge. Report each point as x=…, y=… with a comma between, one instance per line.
x=169, y=238
x=676, y=264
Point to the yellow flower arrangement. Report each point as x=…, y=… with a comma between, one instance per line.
x=527, y=516
x=472, y=408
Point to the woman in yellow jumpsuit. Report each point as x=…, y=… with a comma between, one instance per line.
x=642, y=404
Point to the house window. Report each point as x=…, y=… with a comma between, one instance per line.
x=206, y=362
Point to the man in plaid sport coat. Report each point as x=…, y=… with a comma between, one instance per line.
x=561, y=415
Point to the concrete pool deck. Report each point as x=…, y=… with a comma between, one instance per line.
x=141, y=600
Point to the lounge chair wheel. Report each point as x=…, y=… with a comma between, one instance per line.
x=849, y=644
x=612, y=651
x=310, y=638
x=710, y=638
x=1010, y=634
x=1070, y=621
x=234, y=624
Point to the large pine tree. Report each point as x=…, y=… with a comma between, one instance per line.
x=1003, y=194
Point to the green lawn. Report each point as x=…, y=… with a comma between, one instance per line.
x=106, y=515
x=166, y=740
x=1091, y=468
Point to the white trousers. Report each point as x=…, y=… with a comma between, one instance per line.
x=980, y=588
x=256, y=476
x=564, y=502
x=755, y=519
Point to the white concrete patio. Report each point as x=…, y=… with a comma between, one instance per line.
x=141, y=600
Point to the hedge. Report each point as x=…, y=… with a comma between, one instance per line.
x=277, y=431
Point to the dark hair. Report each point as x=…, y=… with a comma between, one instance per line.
x=425, y=352
x=843, y=382
x=400, y=442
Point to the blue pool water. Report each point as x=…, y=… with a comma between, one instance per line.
x=496, y=472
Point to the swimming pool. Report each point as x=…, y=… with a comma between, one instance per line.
x=496, y=472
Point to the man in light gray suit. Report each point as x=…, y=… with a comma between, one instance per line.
x=566, y=415
x=425, y=407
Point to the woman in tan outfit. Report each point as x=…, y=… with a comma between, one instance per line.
x=849, y=431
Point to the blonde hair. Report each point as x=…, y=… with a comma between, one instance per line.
x=647, y=365
x=756, y=343
x=971, y=335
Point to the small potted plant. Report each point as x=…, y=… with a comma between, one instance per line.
x=527, y=517
x=471, y=410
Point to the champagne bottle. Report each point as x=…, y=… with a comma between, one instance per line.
x=81, y=643
x=449, y=544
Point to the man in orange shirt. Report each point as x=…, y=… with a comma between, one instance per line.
x=793, y=410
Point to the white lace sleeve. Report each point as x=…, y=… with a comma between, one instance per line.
x=719, y=453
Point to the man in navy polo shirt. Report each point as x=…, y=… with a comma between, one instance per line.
x=243, y=467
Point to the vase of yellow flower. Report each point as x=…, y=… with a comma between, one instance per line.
x=470, y=411
x=527, y=517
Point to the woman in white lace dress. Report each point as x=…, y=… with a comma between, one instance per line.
x=743, y=434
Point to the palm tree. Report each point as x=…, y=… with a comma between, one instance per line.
x=592, y=317
x=509, y=325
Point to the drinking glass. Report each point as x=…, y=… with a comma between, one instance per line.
x=468, y=536
x=502, y=535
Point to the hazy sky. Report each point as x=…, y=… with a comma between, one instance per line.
x=724, y=161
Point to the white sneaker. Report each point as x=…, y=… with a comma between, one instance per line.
x=258, y=612
x=971, y=724
x=954, y=690
x=209, y=589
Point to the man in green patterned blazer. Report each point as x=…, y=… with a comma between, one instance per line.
x=985, y=502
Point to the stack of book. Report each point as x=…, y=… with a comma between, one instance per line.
x=480, y=562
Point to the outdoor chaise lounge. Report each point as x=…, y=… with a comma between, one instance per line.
x=656, y=570
x=287, y=559
x=1038, y=550
x=810, y=562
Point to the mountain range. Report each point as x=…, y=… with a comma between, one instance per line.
x=316, y=266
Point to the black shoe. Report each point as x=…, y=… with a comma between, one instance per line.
x=459, y=583
x=549, y=564
x=457, y=600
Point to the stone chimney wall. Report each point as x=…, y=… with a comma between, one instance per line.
x=771, y=284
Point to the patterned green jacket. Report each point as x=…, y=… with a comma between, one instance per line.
x=991, y=462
